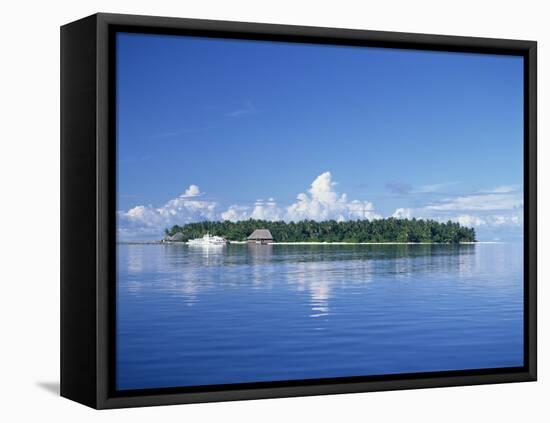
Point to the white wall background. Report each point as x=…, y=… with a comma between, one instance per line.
x=29, y=198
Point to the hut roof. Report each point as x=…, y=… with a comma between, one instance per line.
x=178, y=237
x=260, y=234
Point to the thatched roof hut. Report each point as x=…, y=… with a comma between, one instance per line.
x=262, y=236
x=177, y=237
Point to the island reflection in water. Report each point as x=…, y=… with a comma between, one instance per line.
x=191, y=316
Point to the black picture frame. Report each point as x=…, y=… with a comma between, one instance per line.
x=88, y=202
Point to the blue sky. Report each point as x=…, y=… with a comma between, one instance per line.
x=231, y=129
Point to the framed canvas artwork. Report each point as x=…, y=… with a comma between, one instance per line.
x=255, y=211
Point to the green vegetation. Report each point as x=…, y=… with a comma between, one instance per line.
x=380, y=230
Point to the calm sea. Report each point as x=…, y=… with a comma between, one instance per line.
x=190, y=316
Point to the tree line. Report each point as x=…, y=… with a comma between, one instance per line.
x=379, y=230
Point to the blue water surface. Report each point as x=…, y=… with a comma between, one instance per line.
x=189, y=316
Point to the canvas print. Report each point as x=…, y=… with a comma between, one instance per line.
x=293, y=211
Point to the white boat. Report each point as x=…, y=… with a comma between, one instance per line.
x=208, y=240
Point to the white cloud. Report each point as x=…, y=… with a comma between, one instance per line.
x=322, y=202
x=470, y=221
x=144, y=216
x=267, y=210
x=143, y=220
x=491, y=208
x=503, y=189
x=501, y=206
x=235, y=213
x=490, y=220
x=504, y=200
x=192, y=191
x=402, y=213
x=430, y=188
x=515, y=219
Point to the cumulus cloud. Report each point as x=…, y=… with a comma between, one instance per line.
x=146, y=220
x=266, y=210
x=262, y=210
x=192, y=191
x=470, y=221
x=235, y=213
x=402, y=213
x=322, y=202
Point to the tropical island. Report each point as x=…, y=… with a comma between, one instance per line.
x=390, y=230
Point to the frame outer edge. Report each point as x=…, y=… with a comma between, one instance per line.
x=312, y=31
x=78, y=225
x=104, y=197
x=532, y=229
